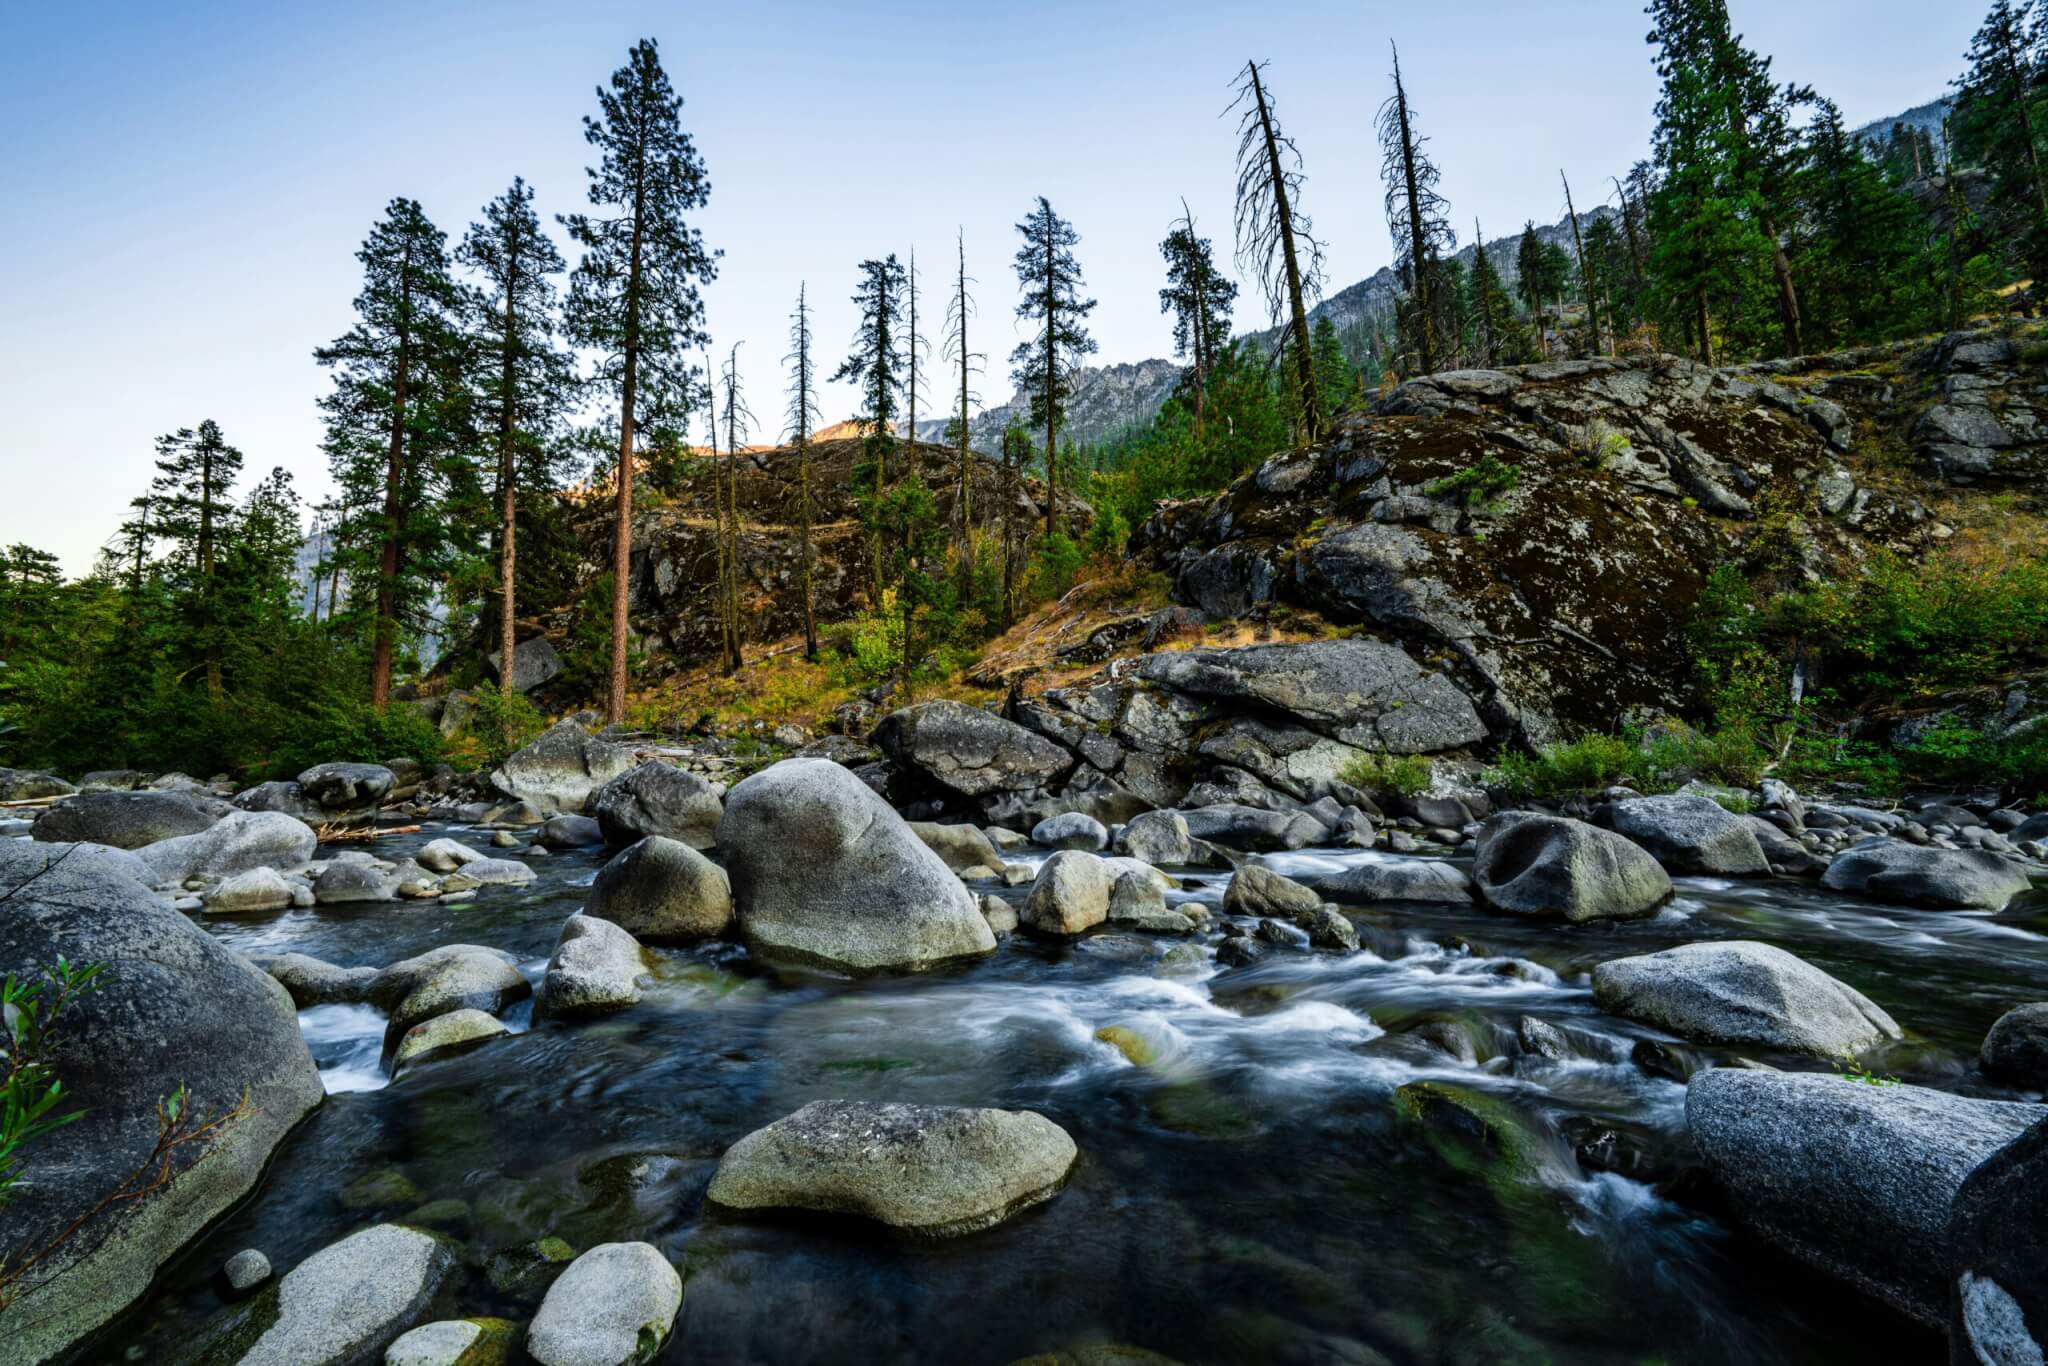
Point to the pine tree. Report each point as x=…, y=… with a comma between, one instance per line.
x=1200, y=299
x=1418, y=218
x=1276, y=241
x=394, y=422
x=1997, y=110
x=634, y=296
x=1494, y=312
x=803, y=416
x=1042, y=366
x=190, y=500
x=1336, y=381
x=1861, y=242
x=524, y=381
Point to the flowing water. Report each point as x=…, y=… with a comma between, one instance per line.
x=1252, y=1190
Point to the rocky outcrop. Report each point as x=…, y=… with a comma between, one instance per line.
x=560, y=770
x=970, y=751
x=1922, y=875
x=658, y=799
x=1744, y=994
x=1536, y=865
x=172, y=1006
x=1857, y=1180
x=126, y=819
x=662, y=891
x=23, y=785
x=824, y=871
x=931, y=1171
x=234, y=844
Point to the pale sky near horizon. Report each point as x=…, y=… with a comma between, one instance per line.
x=183, y=187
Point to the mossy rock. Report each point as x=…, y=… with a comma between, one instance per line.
x=1193, y=1107
x=379, y=1190
x=1097, y=1354
x=526, y=1271
x=1136, y=1048
x=441, y=1214
x=1474, y=1132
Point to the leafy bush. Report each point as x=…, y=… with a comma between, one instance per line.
x=1477, y=486
x=347, y=729
x=1402, y=775
x=1659, y=760
x=500, y=722
x=1055, y=566
x=1587, y=764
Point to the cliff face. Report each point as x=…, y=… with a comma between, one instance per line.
x=1542, y=533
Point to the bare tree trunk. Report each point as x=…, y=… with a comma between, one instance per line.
x=964, y=498
x=1304, y=367
x=1585, y=273
x=622, y=532
x=1418, y=244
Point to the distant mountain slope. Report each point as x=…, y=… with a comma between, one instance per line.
x=1928, y=116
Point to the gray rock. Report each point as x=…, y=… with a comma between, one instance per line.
x=973, y=752
x=1857, y=1180
x=1292, y=759
x=442, y=1034
x=1137, y=902
x=233, y=844
x=1921, y=875
x=342, y=883
x=1157, y=837
x=1998, y=1257
x=452, y=977
x=174, y=1006
x=1363, y=692
x=614, y=1306
x=1743, y=994
x=249, y=891
x=596, y=969
x=570, y=832
x=445, y=855
x=1069, y=896
x=347, y=789
x=1784, y=855
x=932, y=1171
x=489, y=872
x=286, y=797
x=1401, y=879
x=560, y=770
x=1246, y=827
x=455, y=1342
x=2034, y=827
x=824, y=871
x=340, y=1307
x=114, y=780
x=534, y=662
x=246, y=1270
x=1689, y=834
x=662, y=891
x=127, y=820
x=1071, y=830
x=22, y=785
x=1328, y=928
x=2016, y=1048
x=1555, y=867
x=1000, y=914
x=658, y=799
x=311, y=982
x=961, y=846
x=1257, y=890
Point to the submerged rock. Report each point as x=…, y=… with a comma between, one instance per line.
x=658, y=799
x=569, y=832
x=1550, y=866
x=1923, y=875
x=934, y=1171
x=961, y=846
x=596, y=969
x=824, y=871
x=456, y=1030
x=561, y=769
x=312, y=982
x=173, y=1006
x=1690, y=834
x=127, y=820
x=1069, y=896
x=1742, y=993
x=233, y=844
x=663, y=891
x=614, y=1306
x=1855, y=1179
x=1998, y=1251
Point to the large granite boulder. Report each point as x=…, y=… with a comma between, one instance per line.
x=1998, y=1257
x=24, y=785
x=1248, y=827
x=596, y=969
x=824, y=871
x=1926, y=876
x=1363, y=692
x=1069, y=895
x=658, y=799
x=347, y=789
x=128, y=819
x=1551, y=866
x=973, y=752
x=614, y=1306
x=1157, y=837
x=928, y=1170
x=1689, y=834
x=173, y=1006
x=560, y=770
x=662, y=891
x=1855, y=1179
x=233, y=844
x=1743, y=994
x=534, y=662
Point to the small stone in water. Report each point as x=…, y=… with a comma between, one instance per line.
x=504, y=839
x=246, y=1269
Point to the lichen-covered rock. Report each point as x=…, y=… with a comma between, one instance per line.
x=1070, y=895
x=311, y=982
x=596, y=969
x=1744, y=994
x=249, y=891
x=614, y=1306
x=233, y=844
x=569, y=832
x=662, y=891
x=658, y=799
x=1071, y=830
x=824, y=871
x=973, y=752
x=1248, y=827
x=1857, y=1180
x=455, y=1342
x=23, y=785
x=458, y=1029
x=1689, y=834
x=560, y=770
x=347, y=789
x=452, y=977
x=932, y=1171
x=1552, y=866
x=127, y=820
x=173, y=1006
x=1395, y=879
x=534, y=662
x=1923, y=875
x=345, y=881
x=1157, y=837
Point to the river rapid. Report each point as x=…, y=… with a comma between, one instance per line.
x=1250, y=1186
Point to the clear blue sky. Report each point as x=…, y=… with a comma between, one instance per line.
x=182, y=187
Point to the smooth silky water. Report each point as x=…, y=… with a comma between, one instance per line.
x=1250, y=1190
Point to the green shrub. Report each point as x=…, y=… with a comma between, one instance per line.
x=501, y=722
x=1479, y=485
x=1587, y=764
x=1402, y=775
